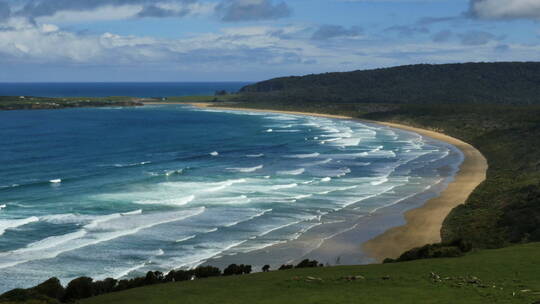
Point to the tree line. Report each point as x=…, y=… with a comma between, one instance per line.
x=504, y=83
x=52, y=291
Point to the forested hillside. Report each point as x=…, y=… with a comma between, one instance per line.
x=495, y=83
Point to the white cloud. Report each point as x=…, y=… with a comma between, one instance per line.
x=103, y=13
x=506, y=9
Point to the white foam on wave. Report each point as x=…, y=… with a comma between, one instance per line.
x=250, y=218
x=107, y=230
x=302, y=196
x=255, y=155
x=55, y=181
x=215, y=153
x=223, y=185
x=326, y=179
x=174, y=172
x=246, y=170
x=53, y=241
x=9, y=186
x=238, y=200
x=101, y=219
x=132, y=164
x=3, y=206
x=379, y=181
x=186, y=238
x=11, y=224
x=337, y=189
x=134, y=212
x=125, y=272
x=287, y=131
x=292, y=172
x=281, y=117
x=342, y=172
x=82, y=219
x=169, y=202
x=288, y=186
x=348, y=142
x=278, y=228
x=310, y=155
x=322, y=162
x=269, y=131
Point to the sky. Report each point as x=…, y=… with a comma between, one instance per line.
x=251, y=40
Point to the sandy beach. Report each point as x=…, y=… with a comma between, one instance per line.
x=423, y=223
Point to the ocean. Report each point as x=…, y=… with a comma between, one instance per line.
x=116, y=192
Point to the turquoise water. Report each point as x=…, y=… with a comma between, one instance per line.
x=115, y=192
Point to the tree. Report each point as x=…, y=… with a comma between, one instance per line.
x=206, y=272
x=285, y=267
x=51, y=288
x=79, y=288
x=245, y=269
x=153, y=277
x=266, y=268
x=307, y=264
x=105, y=286
x=232, y=269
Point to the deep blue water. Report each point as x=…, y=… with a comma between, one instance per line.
x=105, y=89
x=120, y=191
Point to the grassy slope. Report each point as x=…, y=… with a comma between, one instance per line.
x=513, y=269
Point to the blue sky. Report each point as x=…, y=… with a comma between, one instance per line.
x=207, y=40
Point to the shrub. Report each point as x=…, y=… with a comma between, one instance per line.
x=105, y=286
x=308, y=264
x=234, y=269
x=51, y=288
x=285, y=267
x=206, y=272
x=179, y=275
x=79, y=288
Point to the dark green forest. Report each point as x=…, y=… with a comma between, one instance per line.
x=505, y=83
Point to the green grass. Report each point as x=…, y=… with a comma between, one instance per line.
x=514, y=271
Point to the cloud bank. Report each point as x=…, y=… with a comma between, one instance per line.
x=505, y=9
x=250, y=10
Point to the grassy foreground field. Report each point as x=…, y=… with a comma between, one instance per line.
x=508, y=275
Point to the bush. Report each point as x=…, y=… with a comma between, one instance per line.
x=286, y=267
x=206, y=272
x=51, y=288
x=153, y=277
x=234, y=269
x=105, y=286
x=179, y=275
x=430, y=251
x=79, y=288
x=308, y=264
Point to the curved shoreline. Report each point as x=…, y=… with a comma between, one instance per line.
x=423, y=224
